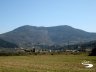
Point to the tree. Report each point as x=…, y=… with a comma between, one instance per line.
x=93, y=53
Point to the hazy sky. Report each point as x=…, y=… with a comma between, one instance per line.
x=76, y=13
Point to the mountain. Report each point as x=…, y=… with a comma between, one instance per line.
x=5, y=44
x=27, y=36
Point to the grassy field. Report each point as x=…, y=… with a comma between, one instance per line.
x=46, y=63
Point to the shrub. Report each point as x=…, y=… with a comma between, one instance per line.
x=93, y=52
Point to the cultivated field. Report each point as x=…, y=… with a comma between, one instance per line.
x=46, y=63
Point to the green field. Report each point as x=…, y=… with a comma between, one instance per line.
x=46, y=63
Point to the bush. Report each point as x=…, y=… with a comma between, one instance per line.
x=93, y=53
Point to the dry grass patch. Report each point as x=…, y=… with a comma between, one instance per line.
x=45, y=63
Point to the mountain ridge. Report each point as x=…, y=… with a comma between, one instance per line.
x=27, y=36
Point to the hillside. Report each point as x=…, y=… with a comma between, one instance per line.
x=5, y=44
x=27, y=36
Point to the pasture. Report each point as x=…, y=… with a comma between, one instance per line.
x=46, y=63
